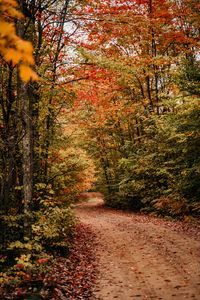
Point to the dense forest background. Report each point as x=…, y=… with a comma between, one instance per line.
x=107, y=99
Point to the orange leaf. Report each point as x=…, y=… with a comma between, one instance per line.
x=27, y=73
x=12, y=55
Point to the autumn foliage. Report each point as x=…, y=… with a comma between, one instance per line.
x=116, y=109
x=141, y=60
x=14, y=49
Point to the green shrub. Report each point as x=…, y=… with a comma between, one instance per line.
x=54, y=228
x=174, y=206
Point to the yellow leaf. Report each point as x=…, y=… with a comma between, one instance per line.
x=25, y=46
x=6, y=29
x=12, y=55
x=14, y=13
x=26, y=73
x=28, y=58
x=9, y=2
x=12, y=47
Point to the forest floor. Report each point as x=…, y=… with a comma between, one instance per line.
x=142, y=257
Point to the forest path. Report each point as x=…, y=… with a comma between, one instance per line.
x=142, y=257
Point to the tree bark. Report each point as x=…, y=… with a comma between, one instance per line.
x=27, y=145
x=27, y=157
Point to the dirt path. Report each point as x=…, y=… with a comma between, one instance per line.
x=140, y=257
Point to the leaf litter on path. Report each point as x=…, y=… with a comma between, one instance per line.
x=74, y=277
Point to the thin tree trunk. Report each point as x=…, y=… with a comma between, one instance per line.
x=27, y=158
x=27, y=146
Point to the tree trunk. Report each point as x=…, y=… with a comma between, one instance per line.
x=27, y=145
x=27, y=157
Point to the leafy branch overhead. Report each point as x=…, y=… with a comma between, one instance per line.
x=13, y=49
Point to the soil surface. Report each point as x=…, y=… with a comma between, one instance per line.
x=142, y=257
